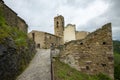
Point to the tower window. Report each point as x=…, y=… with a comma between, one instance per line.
x=57, y=24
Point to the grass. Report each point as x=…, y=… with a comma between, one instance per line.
x=63, y=71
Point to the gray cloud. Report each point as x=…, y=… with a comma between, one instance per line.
x=111, y=15
x=86, y=14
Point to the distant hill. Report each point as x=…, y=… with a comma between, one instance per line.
x=116, y=46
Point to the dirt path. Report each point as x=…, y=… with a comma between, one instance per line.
x=39, y=68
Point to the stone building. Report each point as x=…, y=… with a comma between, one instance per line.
x=59, y=27
x=93, y=54
x=65, y=34
x=69, y=32
x=12, y=19
x=44, y=39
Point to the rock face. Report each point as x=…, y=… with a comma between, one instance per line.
x=92, y=55
x=13, y=60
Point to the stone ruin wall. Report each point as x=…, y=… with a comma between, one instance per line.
x=92, y=55
x=12, y=19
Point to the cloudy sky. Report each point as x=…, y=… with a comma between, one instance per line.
x=88, y=15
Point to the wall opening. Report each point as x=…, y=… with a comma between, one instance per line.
x=104, y=43
x=33, y=36
x=57, y=24
x=81, y=43
x=104, y=65
x=110, y=58
x=87, y=68
x=38, y=45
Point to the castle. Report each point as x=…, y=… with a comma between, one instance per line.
x=91, y=53
x=61, y=34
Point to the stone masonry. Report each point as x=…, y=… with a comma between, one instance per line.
x=92, y=55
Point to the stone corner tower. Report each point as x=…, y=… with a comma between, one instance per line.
x=59, y=26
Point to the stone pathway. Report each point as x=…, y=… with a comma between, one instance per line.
x=39, y=68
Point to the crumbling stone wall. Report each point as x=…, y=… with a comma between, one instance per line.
x=12, y=19
x=92, y=55
x=43, y=39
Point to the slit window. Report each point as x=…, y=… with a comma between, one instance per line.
x=57, y=24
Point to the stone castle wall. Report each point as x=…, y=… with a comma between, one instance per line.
x=12, y=19
x=92, y=55
x=43, y=39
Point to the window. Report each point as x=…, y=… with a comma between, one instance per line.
x=104, y=43
x=57, y=24
x=87, y=67
x=33, y=36
x=38, y=45
x=81, y=43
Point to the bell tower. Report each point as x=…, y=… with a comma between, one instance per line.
x=59, y=25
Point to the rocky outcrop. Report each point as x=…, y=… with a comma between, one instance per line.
x=14, y=60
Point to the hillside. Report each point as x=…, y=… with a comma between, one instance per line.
x=116, y=45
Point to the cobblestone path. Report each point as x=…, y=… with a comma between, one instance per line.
x=39, y=68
